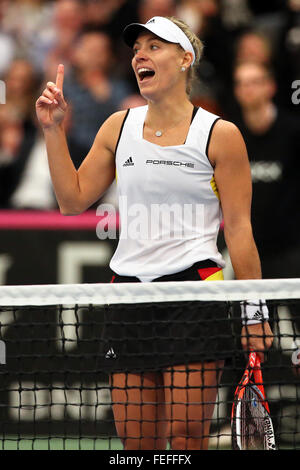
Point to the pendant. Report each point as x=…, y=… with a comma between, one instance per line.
x=158, y=133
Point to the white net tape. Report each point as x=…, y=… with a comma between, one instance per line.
x=100, y=294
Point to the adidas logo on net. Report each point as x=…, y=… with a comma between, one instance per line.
x=129, y=162
x=110, y=354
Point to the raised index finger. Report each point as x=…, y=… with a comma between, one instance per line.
x=60, y=77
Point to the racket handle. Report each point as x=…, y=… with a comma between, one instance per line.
x=252, y=360
x=249, y=369
x=257, y=371
x=258, y=379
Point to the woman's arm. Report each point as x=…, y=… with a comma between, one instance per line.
x=229, y=157
x=76, y=190
x=227, y=153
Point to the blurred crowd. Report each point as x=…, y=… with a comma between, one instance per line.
x=251, y=64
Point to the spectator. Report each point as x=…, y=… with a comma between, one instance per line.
x=197, y=13
x=29, y=23
x=271, y=136
x=17, y=129
x=100, y=13
x=259, y=7
x=149, y=8
x=34, y=190
x=16, y=140
x=236, y=14
x=292, y=38
x=91, y=90
x=111, y=16
x=68, y=21
x=250, y=46
x=288, y=53
x=253, y=46
x=7, y=46
x=21, y=84
x=204, y=16
x=24, y=174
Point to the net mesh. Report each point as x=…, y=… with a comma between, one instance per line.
x=140, y=366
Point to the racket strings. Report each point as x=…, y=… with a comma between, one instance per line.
x=255, y=426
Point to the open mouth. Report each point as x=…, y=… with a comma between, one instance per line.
x=145, y=73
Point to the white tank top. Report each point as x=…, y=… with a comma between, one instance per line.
x=169, y=207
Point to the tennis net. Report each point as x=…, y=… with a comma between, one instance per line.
x=60, y=344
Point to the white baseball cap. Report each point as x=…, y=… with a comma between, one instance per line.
x=161, y=27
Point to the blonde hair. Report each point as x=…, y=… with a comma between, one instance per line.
x=197, y=46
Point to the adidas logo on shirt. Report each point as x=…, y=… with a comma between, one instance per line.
x=129, y=162
x=110, y=354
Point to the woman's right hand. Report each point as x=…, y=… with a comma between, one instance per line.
x=51, y=107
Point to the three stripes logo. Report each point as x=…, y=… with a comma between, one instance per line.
x=129, y=162
x=258, y=315
x=110, y=354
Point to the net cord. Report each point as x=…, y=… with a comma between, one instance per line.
x=144, y=292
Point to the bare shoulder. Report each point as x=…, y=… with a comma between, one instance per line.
x=116, y=119
x=109, y=132
x=226, y=140
x=225, y=128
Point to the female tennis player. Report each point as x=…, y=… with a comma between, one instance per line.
x=166, y=154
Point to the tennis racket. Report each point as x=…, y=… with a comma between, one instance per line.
x=251, y=424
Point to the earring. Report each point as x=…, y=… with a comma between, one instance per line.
x=182, y=69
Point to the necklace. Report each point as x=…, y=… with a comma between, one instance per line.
x=160, y=133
